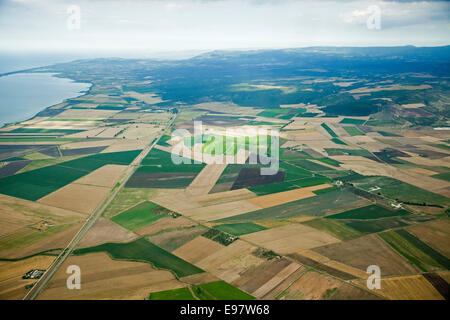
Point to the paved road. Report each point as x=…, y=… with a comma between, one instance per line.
x=40, y=284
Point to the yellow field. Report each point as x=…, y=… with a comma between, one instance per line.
x=276, y=199
x=197, y=249
x=12, y=286
x=104, y=278
x=290, y=238
x=414, y=287
x=231, y=261
x=206, y=179
x=106, y=176
x=69, y=197
x=104, y=231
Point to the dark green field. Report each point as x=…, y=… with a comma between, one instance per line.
x=416, y=251
x=443, y=176
x=219, y=290
x=338, y=141
x=239, y=229
x=285, y=186
x=348, y=152
x=35, y=184
x=144, y=251
x=352, y=121
x=157, y=170
x=175, y=294
x=329, y=130
x=273, y=113
x=140, y=215
x=318, y=206
x=334, y=227
x=401, y=191
x=373, y=226
x=370, y=212
x=163, y=140
x=353, y=131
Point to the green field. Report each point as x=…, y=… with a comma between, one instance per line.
x=401, y=191
x=416, y=251
x=161, y=161
x=158, y=170
x=35, y=184
x=312, y=166
x=175, y=294
x=39, y=130
x=442, y=176
x=318, y=206
x=338, y=141
x=289, y=185
x=140, y=215
x=334, y=227
x=144, y=251
x=219, y=290
x=329, y=130
x=353, y=131
x=218, y=145
x=163, y=140
x=273, y=113
x=352, y=121
x=373, y=226
x=239, y=229
x=330, y=161
x=370, y=212
x=348, y=152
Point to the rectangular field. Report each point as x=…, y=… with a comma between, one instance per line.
x=416, y=251
x=370, y=212
x=239, y=229
x=140, y=215
x=144, y=251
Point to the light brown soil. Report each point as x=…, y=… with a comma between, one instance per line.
x=104, y=231
x=106, y=176
x=365, y=251
x=104, y=278
x=77, y=197
x=12, y=286
x=435, y=233
x=275, y=199
x=290, y=238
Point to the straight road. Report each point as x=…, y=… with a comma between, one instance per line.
x=40, y=284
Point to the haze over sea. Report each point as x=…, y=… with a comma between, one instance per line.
x=23, y=95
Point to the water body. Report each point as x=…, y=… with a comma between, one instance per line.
x=23, y=95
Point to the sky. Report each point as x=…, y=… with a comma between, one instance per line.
x=145, y=27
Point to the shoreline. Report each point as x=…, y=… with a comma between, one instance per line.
x=55, y=75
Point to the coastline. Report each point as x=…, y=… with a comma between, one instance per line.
x=55, y=75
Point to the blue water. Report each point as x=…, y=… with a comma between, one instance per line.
x=25, y=94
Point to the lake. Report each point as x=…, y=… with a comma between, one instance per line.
x=23, y=95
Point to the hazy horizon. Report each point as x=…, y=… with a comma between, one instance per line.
x=149, y=27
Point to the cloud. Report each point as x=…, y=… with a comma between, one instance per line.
x=167, y=25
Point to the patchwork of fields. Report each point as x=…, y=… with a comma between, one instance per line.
x=362, y=178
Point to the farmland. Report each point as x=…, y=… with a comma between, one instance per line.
x=140, y=215
x=239, y=229
x=416, y=251
x=219, y=290
x=361, y=177
x=144, y=251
